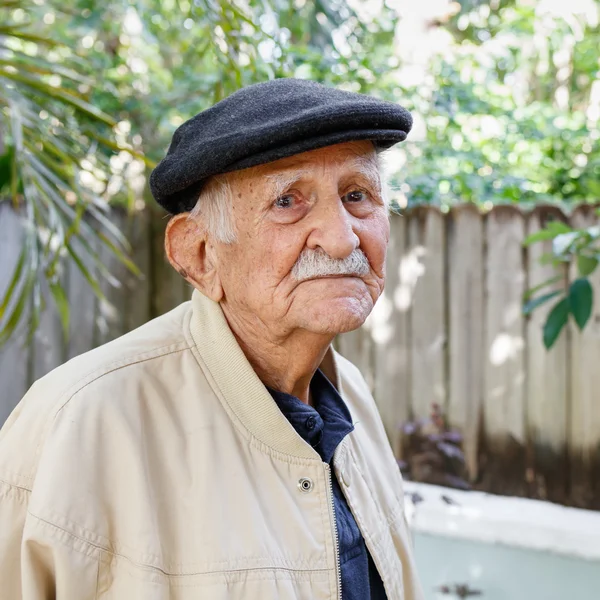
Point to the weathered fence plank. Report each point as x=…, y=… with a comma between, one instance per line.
x=504, y=372
x=110, y=313
x=357, y=347
x=426, y=252
x=584, y=435
x=547, y=388
x=465, y=330
x=82, y=305
x=49, y=347
x=389, y=332
x=14, y=355
x=139, y=291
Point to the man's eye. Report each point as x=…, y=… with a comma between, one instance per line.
x=355, y=196
x=285, y=201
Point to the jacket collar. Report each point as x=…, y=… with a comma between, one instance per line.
x=237, y=385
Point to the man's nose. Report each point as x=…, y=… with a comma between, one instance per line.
x=333, y=231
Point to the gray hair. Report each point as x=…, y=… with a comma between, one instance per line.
x=214, y=210
x=214, y=207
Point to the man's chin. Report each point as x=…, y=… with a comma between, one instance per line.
x=337, y=316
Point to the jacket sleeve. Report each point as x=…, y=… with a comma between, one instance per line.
x=39, y=561
x=13, y=509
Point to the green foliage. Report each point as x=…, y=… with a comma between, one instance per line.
x=577, y=303
x=530, y=306
x=508, y=112
x=569, y=245
x=164, y=61
x=557, y=319
x=51, y=139
x=580, y=301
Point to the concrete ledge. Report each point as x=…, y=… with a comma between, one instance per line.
x=504, y=520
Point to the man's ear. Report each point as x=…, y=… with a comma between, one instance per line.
x=191, y=256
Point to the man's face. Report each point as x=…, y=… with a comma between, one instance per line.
x=326, y=200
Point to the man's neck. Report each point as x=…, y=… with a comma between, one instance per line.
x=283, y=363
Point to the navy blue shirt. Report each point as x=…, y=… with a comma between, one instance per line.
x=324, y=426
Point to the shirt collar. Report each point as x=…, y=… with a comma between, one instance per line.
x=323, y=425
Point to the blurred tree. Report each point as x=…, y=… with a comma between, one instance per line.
x=165, y=61
x=511, y=104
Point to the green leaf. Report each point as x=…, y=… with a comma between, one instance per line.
x=532, y=304
x=556, y=320
x=539, y=236
x=5, y=168
x=62, y=304
x=84, y=271
x=12, y=31
x=558, y=227
x=66, y=96
x=586, y=264
x=527, y=295
x=118, y=148
x=109, y=226
x=120, y=255
x=581, y=297
x=549, y=258
x=41, y=67
x=9, y=327
x=99, y=264
x=17, y=273
x=551, y=230
x=36, y=306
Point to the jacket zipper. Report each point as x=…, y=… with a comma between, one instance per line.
x=338, y=570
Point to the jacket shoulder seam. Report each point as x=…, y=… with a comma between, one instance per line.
x=92, y=549
x=79, y=385
x=64, y=397
x=96, y=550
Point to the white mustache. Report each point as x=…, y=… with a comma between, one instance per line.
x=317, y=263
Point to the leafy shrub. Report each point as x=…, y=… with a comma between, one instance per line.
x=433, y=452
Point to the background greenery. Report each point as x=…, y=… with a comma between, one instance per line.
x=506, y=97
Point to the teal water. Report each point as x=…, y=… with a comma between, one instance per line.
x=502, y=572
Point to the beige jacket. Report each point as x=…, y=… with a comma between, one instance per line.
x=158, y=467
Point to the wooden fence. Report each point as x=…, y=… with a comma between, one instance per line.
x=449, y=329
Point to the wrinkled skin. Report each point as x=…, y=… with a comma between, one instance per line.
x=285, y=326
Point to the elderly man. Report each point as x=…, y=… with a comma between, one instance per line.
x=225, y=450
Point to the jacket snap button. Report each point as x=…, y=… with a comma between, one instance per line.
x=305, y=484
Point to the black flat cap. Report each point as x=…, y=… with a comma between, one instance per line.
x=265, y=122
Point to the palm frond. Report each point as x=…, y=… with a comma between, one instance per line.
x=50, y=127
